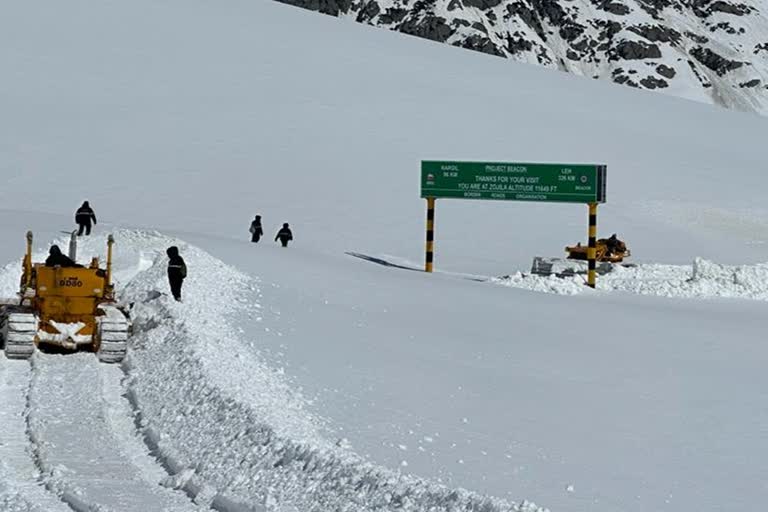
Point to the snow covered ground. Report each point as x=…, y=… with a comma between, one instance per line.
x=307, y=379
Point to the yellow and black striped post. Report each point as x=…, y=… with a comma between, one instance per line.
x=592, y=247
x=430, y=234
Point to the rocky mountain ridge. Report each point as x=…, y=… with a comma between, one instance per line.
x=713, y=51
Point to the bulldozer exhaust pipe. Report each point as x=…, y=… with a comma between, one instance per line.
x=110, y=243
x=28, y=261
x=73, y=246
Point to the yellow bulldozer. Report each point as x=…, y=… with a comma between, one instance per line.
x=69, y=307
x=611, y=250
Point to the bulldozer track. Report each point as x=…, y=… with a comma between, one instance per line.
x=17, y=330
x=113, y=332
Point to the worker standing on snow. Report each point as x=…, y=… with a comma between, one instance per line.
x=177, y=271
x=83, y=218
x=284, y=235
x=256, y=231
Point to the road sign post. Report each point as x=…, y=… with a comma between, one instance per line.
x=538, y=182
x=592, y=247
x=430, y=249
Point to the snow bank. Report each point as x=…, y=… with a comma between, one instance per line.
x=702, y=280
x=222, y=417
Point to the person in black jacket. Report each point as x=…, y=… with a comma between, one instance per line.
x=57, y=259
x=284, y=235
x=83, y=217
x=256, y=231
x=177, y=271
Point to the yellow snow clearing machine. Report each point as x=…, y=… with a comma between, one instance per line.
x=611, y=250
x=608, y=253
x=70, y=307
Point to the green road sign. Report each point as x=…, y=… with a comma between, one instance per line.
x=562, y=183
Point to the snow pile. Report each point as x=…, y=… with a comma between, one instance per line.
x=221, y=416
x=571, y=285
x=703, y=279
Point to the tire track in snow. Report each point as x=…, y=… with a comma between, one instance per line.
x=21, y=486
x=82, y=430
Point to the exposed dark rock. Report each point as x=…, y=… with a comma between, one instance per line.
x=369, y=11
x=393, y=15
x=761, y=48
x=481, y=44
x=332, y=7
x=582, y=46
x=482, y=4
x=724, y=26
x=612, y=7
x=750, y=84
x=702, y=78
x=715, y=62
x=654, y=7
x=666, y=71
x=623, y=80
x=550, y=9
x=543, y=56
x=610, y=29
x=430, y=27
x=517, y=45
x=571, y=31
x=697, y=38
x=728, y=8
x=656, y=33
x=528, y=16
x=455, y=4
x=651, y=82
x=635, y=50
x=479, y=26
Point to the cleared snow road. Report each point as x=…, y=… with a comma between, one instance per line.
x=21, y=488
x=67, y=426
x=84, y=440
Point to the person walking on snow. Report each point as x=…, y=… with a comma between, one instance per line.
x=177, y=271
x=284, y=235
x=256, y=231
x=83, y=218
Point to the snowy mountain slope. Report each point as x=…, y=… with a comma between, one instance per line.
x=713, y=51
x=188, y=124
